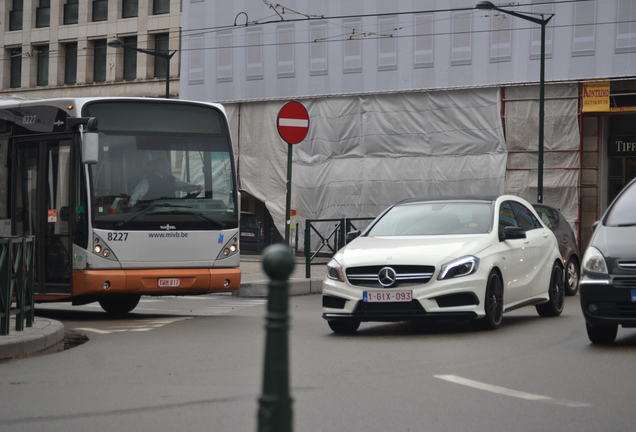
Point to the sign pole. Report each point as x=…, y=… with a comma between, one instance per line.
x=288, y=201
x=293, y=125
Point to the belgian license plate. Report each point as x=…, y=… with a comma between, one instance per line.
x=387, y=296
x=633, y=295
x=169, y=282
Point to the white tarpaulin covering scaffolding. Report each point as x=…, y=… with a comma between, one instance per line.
x=561, y=146
x=364, y=153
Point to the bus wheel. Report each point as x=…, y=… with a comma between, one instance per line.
x=119, y=304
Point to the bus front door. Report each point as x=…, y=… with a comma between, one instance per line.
x=41, y=207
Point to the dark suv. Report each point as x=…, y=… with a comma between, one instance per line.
x=608, y=282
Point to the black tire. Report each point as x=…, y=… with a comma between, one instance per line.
x=119, y=304
x=572, y=273
x=493, y=302
x=344, y=326
x=604, y=334
x=556, y=290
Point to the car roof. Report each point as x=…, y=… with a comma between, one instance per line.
x=489, y=199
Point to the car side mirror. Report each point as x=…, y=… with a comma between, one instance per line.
x=352, y=235
x=595, y=224
x=512, y=233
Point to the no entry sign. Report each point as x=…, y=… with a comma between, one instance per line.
x=293, y=122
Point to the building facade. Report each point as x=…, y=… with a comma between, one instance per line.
x=60, y=48
x=421, y=97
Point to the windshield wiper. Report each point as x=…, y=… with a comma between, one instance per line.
x=625, y=224
x=147, y=210
x=216, y=222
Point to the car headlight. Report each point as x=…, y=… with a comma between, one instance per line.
x=460, y=267
x=334, y=271
x=594, y=261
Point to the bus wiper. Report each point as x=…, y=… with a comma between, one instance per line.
x=216, y=222
x=148, y=209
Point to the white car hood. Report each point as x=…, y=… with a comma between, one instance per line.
x=410, y=250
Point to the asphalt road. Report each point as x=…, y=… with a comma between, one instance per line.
x=195, y=364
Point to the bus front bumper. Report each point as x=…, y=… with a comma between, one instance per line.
x=156, y=281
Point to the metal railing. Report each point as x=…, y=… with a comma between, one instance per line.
x=16, y=281
x=330, y=238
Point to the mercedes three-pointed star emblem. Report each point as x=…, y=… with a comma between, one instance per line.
x=387, y=277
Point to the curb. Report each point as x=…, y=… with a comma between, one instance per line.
x=45, y=335
x=297, y=286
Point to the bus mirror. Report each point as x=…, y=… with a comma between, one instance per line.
x=90, y=147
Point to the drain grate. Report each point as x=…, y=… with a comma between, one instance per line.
x=73, y=339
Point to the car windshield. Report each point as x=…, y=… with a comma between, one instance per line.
x=623, y=212
x=435, y=218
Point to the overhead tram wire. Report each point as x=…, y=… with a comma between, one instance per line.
x=203, y=30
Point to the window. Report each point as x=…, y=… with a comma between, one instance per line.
x=387, y=44
x=506, y=215
x=254, y=53
x=352, y=48
x=535, y=40
x=100, y=10
x=70, y=11
x=500, y=38
x=285, y=51
x=548, y=216
x=584, y=32
x=626, y=27
x=162, y=46
x=224, y=59
x=70, y=63
x=317, y=48
x=15, y=68
x=423, y=46
x=195, y=62
x=43, y=14
x=130, y=58
x=99, y=60
x=129, y=8
x=525, y=218
x=160, y=7
x=42, y=58
x=15, y=16
x=461, y=40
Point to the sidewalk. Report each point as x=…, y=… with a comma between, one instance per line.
x=47, y=335
x=254, y=280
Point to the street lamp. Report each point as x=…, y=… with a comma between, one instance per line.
x=543, y=21
x=118, y=43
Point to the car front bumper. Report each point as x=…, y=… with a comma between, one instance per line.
x=606, y=303
x=460, y=298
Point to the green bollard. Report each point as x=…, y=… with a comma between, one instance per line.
x=274, y=405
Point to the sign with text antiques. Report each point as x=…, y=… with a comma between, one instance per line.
x=595, y=97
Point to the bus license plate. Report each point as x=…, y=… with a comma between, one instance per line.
x=387, y=296
x=169, y=282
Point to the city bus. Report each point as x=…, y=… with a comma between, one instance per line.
x=125, y=197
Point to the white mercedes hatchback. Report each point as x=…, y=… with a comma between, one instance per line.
x=447, y=258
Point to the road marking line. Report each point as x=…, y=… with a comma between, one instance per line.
x=94, y=330
x=509, y=392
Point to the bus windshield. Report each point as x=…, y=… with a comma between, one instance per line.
x=162, y=166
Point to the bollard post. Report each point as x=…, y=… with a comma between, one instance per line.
x=275, y=403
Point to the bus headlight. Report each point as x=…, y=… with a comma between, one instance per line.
x=230, y=248
x=101, y=249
